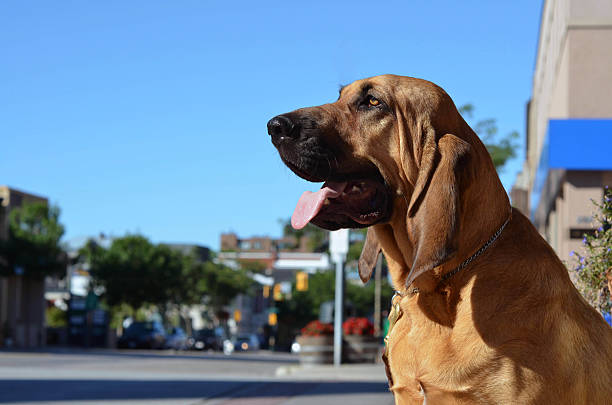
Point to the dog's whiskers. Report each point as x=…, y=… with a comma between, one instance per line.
x=329, y=166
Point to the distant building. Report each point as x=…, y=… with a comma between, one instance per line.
x=22, y=302
x=272, y=262
x=281, y=257
x=569, y=122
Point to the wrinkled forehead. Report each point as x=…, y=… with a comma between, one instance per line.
x=392, y=85
x=383, y=84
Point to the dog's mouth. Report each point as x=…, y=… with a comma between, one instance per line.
x=354, y=193
x=347, y=204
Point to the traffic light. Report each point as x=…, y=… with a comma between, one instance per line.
x=272, y=319
x=301, y=282
x=266, y=291
x=237, y=315
x=278, y=296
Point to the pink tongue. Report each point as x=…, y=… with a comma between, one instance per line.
x=310, y=203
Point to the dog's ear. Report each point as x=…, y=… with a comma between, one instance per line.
x=369, y=255
x=433, y=211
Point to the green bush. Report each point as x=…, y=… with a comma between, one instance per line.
x=590, y=271
x=56, y=318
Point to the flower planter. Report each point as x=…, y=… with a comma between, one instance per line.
x=361, y=348
x=316, y=349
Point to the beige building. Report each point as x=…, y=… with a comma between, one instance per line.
x=569, y=122
x=22, y=302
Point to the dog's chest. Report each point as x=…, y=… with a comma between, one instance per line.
x=437, y=363
x=426, y=359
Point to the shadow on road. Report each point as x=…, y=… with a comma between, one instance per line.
x=16, y=391
x=265, y=357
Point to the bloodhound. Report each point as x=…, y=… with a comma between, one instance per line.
x=485, y=312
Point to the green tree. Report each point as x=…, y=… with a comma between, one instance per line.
x=501, y=148
x=219, y=283
x=136, y=272
x=362, y=296
x=592, y=272
x=33, y=243
x=356, y=247
x=303, y=306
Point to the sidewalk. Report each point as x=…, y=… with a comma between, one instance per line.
x=345, y=372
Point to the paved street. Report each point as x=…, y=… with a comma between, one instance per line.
x=164, y=377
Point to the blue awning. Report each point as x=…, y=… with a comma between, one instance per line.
x=580, y=144
x=571, y=144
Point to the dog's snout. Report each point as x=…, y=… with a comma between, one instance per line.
x=280, y=127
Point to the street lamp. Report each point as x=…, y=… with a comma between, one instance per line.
x=338, y=248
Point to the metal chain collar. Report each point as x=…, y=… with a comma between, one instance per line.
x=467, y=261
x=475, y=255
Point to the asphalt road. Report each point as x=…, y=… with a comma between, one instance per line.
x=74, y=377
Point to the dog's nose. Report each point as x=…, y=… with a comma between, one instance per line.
x=280, y=127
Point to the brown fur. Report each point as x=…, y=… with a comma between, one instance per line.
x=508, y=329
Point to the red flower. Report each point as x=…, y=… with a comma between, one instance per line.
x=318, y=328
x=358, y=326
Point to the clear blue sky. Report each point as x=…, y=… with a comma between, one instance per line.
x=150, y=116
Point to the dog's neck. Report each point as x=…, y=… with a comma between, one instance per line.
x=484, y=207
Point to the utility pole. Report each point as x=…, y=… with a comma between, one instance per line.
x=377, y=288
x=338, y=247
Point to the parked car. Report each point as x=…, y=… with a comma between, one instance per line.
x=177, y=339
x=143, y=335
x=207, y=339
x=246, y=342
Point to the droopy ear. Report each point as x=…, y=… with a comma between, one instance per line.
x=369, y=255
x=433, y=213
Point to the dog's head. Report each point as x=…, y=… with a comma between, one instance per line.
x=392, y=150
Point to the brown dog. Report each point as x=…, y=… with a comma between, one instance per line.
x=486, y=312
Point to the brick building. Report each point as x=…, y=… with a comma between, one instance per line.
x=22, y=301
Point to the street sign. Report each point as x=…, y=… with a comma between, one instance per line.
x=339, y=244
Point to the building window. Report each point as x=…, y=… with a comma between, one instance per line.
x=578, y=233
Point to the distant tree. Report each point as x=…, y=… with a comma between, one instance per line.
x=356, y=247
x=304, y=305
x=33, y=243
x=254, y=266
x=502, y=148
x=136, y=272
x=220, y=284
x=362, y=296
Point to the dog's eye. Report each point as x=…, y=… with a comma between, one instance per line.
x=373, y=101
